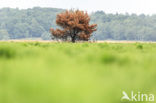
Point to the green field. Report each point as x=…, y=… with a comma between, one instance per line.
x=34, y=72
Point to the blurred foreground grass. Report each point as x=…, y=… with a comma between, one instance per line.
x=75, y=73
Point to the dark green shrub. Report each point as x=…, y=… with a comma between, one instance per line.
x=139, y=46
x=6, y=52
x=108, y=58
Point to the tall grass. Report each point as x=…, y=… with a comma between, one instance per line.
x=75, y=73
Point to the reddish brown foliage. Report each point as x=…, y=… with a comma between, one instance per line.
x=75, y=24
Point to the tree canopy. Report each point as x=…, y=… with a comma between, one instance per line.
x=75, y=24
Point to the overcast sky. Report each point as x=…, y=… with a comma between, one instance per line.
x=109, y=6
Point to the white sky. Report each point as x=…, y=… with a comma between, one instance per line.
x=109, y=6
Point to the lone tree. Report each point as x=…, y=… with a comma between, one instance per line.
x=75, y=25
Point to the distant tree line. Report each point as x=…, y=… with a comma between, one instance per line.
x=124, y=26
x=36, y=22
x=27, y=23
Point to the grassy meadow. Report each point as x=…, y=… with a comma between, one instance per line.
x=35, y=72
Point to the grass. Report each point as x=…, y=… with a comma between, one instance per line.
x=34, y=72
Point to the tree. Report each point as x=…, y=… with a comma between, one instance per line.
x=75, y=25
x=46, y=36
x=4, y=34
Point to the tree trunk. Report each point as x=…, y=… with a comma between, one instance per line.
x=73, y=39
x=73, y=36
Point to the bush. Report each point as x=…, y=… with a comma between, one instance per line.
x=6, y=52
x=139, y=46
x=108, y=58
